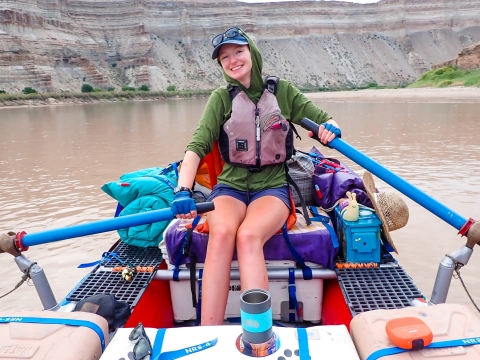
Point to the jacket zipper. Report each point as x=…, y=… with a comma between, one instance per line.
x=257, y=135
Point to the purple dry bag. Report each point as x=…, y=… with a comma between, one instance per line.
x=332, y=179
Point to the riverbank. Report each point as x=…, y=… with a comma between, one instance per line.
x=420, y=95
x=49, y=99
x=458, y=94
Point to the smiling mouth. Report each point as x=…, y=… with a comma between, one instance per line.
x=236, y=68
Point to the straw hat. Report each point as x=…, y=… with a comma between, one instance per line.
x=389, y=206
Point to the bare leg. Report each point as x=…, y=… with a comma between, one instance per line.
x=223, y=223
x=265, y=216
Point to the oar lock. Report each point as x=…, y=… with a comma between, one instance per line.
x=473, y=235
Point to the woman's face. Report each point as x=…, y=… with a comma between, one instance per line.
x=236, y=61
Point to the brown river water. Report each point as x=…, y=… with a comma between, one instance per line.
x=54, y=159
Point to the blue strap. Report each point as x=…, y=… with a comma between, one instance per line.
x=170, y=167
x=163, y=179
x=118, y=210
x=325, y=220
x=58, y=321
x=181, y=251
x=158, y=343
x=303, y=351
x=177, y=354
x=306, y=271
x=434, y=345
x=105, y=256
x=199, y=300
x=292, y=296
x=175, y=167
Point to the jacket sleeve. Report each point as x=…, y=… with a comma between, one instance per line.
x=208, y=129
x=298, y=106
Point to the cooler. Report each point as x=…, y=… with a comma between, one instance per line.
x=312, y=242
x=39, y=340
x=221, y=342
x=447, y=322
x=360, y=239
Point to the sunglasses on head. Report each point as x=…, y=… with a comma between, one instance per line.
x=230, y=33
x=142, y=347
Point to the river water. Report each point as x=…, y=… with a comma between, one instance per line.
x=54, y=159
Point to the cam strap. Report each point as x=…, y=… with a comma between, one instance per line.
x=434, y=345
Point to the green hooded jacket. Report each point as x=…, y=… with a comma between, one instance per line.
x=293, y=104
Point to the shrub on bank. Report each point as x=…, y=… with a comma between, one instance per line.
x=87, y=88
x=171, y=88
x=29, y=90
x=128, y=88
x=143, y=88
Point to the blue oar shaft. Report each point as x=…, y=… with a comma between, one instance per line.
x=417, y=195
x=421, y=198
x=96, y=227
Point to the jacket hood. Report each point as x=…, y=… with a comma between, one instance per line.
x=254, y=92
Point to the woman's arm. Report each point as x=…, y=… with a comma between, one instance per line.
x=189, y=168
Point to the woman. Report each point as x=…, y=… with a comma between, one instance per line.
x=252, y=197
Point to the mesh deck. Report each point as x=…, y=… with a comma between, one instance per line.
x=386, y=287
x=135, y=255
x=103, y=280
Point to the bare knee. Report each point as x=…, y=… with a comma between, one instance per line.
x=248, y=241
x=221, y=238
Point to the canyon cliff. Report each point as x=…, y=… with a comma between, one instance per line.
x=57, y=45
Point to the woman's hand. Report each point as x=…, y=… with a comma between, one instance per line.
x=327, y=131
x=183, y=206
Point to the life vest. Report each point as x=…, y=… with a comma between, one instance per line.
x=256, y=136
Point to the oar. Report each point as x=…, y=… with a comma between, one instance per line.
x=437, y=208
x=24, y=240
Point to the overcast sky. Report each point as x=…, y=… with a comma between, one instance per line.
x=355, y=1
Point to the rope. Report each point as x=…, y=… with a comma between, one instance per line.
x=458, y=266
x=25, y=277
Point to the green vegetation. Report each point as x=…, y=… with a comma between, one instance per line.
x=171, y=88
x=87, y=88
x=29, y=90
x=448, y=76
x=351, y=87
x=110, y=88
x=143, y=88
x=128, y=88
x=3, y=92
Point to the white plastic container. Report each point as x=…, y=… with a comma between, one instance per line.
x=324, y=342
x=447, y=322
x=309, y=292
x=37, y=341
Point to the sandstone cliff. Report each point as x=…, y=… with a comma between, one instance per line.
x=56, y=45
x=468, y=59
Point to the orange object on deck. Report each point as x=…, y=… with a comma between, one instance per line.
x=409, y=333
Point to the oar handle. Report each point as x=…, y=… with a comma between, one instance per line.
x=417, y=195
x=24, y=240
